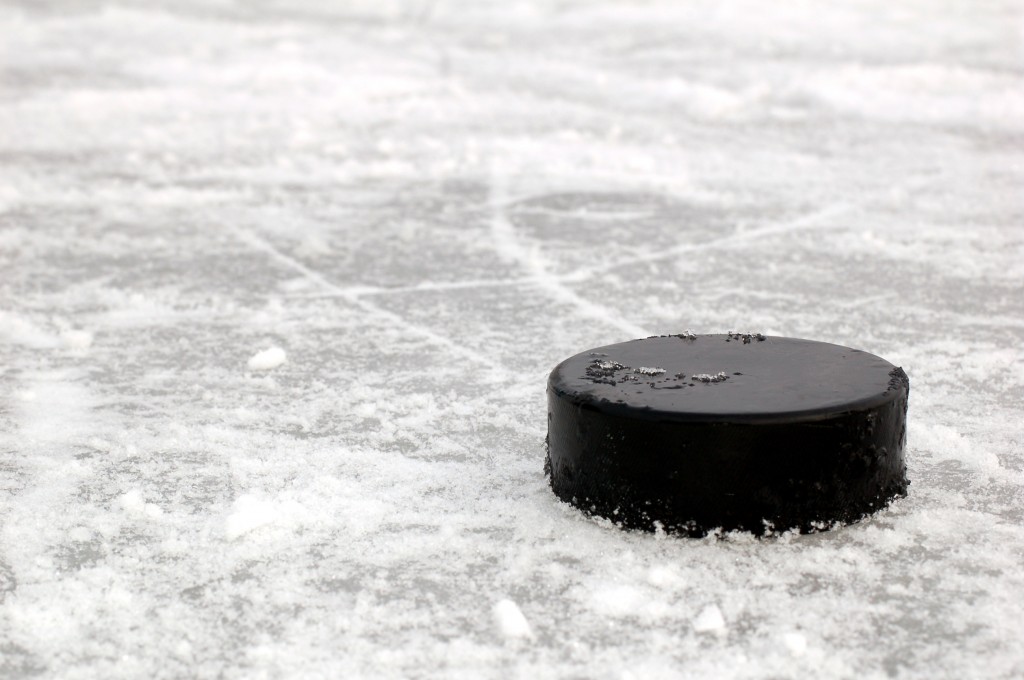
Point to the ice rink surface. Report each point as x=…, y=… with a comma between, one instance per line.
x=424, y=207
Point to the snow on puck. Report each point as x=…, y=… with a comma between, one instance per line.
x=692, y=433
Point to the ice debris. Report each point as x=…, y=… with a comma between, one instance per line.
x=708, y=378
x=745, y=337
x=709, y=620
x=796, y=643
x=267, y=359
x=510, y=620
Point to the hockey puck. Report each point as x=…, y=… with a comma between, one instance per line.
x=692, y=433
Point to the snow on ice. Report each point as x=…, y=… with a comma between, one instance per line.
x=432, y=204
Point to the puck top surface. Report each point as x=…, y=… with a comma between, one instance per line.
x=727, y=377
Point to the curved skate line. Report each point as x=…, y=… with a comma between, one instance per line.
x=507, y=243
x=506, y=237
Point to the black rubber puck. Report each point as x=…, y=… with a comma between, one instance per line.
x=739, y=432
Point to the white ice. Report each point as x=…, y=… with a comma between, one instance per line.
x=424, y=207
